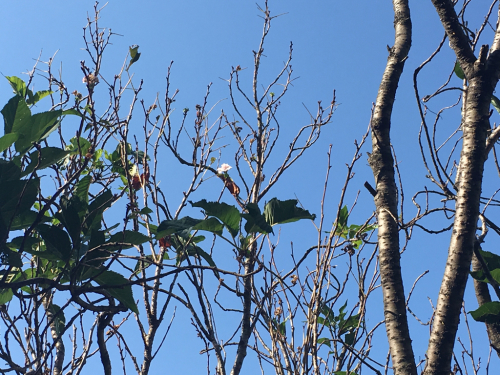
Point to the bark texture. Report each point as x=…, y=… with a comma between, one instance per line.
x=482, y=76
x=382, y=163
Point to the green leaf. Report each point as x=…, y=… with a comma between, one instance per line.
x=350, y=323
x=325, y=341
x=16, y=196
x=9, y=172
x=70, y=215
x=458, y=70
x=343, y=216
x=329, y=319
x=342, y=313
x=96, y=208
x=197, y=239
x=11, y=258
x=29, y=242
x=146, y=211
x=39, y=96
x=124, y=294
x=140, y=156
x=205, y=256
x=7, y=140
x=35, y=128
x=24, y=220
x=192, y=250
x=168, y=227
x=18, y=85
x=349, y=338
x=96, y=257
x=229, y=215
x=492, y=262
x=5, y=295
x=134, y=55
x=78, y=146
x=281, y=212
x=210, y=225
x=59, y=320
x=282, y=328
x=495, y=102
x=256, y=223
x=82, y=189
x=128, y=238
x=481, y=276
x=142, y=264
x=49, y=156
x=15, y=111
x=57, y=242
x=488, y=313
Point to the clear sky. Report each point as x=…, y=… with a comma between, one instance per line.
x=337, y=45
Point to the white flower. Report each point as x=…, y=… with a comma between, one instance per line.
x=91, y=79
x=223, y=168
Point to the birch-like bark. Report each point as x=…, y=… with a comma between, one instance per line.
x=59, y=343
x=482, y=76
x=382, y=163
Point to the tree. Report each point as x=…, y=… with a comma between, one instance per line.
x=480, y=77
x=94, y=248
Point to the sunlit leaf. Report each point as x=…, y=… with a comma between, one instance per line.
x=18, y=85
x=82, y=189
x=492, y=261
x=458, y=70
x=34, y=128
x=15, y=111
x=7, y=140
x=350, y=323
x=343, y=216
x=488, y=313
x=134, y=55
x=5, y=295
x=495, y=102
x=39, y=95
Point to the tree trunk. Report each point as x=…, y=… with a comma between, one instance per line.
x=386, y=199
x=482, y=76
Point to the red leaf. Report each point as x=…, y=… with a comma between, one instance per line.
x=165, y=242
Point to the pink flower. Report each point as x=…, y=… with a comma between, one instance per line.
x=223, y=168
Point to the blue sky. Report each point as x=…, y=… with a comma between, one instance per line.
x=338, y=45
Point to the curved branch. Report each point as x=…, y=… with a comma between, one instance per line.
x=382, y=163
